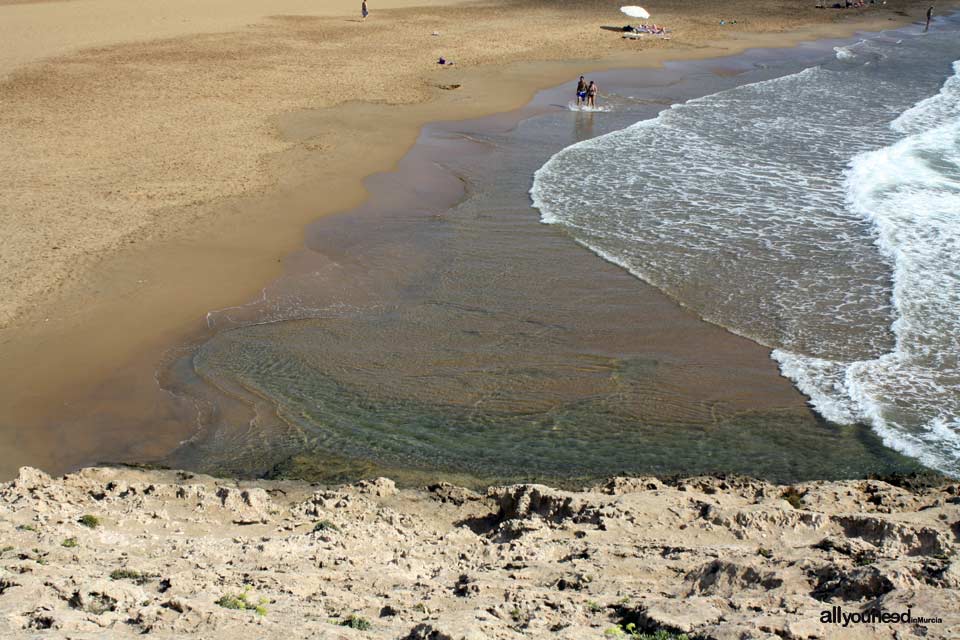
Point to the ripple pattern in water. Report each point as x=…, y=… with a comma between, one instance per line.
x=493, y=412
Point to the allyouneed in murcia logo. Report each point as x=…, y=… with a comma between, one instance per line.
x=836, y=615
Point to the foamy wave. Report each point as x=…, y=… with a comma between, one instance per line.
x=745, y=207
x=910, y=191
x=935, y=110
x=573, y=106
x=823, y=381
x=843, y=53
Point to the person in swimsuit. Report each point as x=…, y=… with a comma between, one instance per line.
x=363, y=9
x=581, y=91
x=592, y=92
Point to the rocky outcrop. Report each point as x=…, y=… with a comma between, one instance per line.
x=116, y=553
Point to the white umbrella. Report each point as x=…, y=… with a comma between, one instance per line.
x=635, y=12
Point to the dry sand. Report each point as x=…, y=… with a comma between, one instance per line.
x=725, y=559
x=125, y=142
x=147, y=181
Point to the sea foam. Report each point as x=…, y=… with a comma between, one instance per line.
x=815, y=213
x=910, y=191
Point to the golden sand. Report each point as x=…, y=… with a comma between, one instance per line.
x=123, y=142
x=152, y=170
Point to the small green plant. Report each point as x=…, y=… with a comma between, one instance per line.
x=241, y=602
x=864, y=558
x=516, y=614
x=90, y=522
x=325, y=525
x=594, y=606
x=420, y=607
x=125, y=574
x=794, y=497
x=70, y=543
x=138, y=577
x=26, y=527
x=233, y=601
x=356, y=622
x=766, y=553
x=630, y=631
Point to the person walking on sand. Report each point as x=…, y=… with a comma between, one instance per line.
x=592, y=92
x=581, y=92
x=929, y=15
x=363, y=9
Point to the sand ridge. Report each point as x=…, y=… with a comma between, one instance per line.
x=114, y=552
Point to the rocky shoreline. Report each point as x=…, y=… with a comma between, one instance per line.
x=121, y=552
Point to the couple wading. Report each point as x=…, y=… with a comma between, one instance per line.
x=587, y=93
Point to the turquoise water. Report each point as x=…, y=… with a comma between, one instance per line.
x=443, y=331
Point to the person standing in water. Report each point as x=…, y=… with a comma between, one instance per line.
x=363, y=9
x=592, y=92
x=929, y=16
x=581, y=91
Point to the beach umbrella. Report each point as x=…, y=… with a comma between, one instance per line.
x=635, y=12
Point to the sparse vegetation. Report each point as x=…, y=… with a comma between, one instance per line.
x=325, y=525
x=766, y=553
x=5, y=550
x=90, y=522
x=242, y=602
x=594, y=606
x=356, y=622
x=630, y=631
x=130, y=574
x=70, y=543
x=794, y=496
x=26, y=527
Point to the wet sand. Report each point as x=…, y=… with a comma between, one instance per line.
x=440, y=330
x=87, y=322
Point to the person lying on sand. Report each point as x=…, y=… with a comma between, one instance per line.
x=653, y=29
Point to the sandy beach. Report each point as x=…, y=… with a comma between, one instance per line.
x=148, y=129
x=504, y=396
x=151, y=171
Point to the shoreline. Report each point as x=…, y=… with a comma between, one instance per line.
x=140, y=306
x=379, y=270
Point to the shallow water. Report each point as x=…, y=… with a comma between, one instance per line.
x=443, y=330
x=816, y=213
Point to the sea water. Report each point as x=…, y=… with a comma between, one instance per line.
x=816, y=213
x=442, y=331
